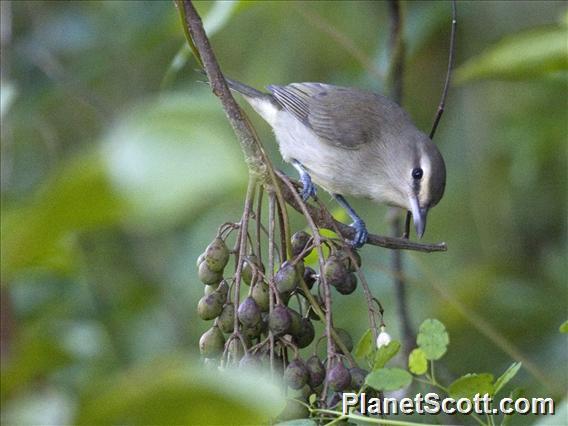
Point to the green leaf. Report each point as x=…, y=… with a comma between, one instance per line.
x=417, y=362
x=507, y=376
x=170, y=159
x=35, y=355
x=78, y=197
x=385, y=353
x=433, y=339
x=564, y=327
x=177, y=390
x=388, y=379
x=470, y=384
x=365, y=345
x=529, y=54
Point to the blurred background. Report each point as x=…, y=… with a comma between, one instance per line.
x=118, y=166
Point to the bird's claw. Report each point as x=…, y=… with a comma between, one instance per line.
x=308, y=188
x=361, y=234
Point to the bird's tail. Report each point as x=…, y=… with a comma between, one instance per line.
x=248, y=91
x=242, y=88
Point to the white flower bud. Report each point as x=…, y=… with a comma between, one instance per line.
x=383, y=339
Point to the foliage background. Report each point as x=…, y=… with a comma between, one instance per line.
x=116, y=173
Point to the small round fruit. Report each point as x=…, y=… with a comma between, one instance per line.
x=247, y=272
x=279, y=320
x=212, y=343
x=286, y=279
x=285, y=297
x=345, y=258
x=296, y=374
x=306, y=335
x=226, y=321
x=296, y=324
x=334, y=271
x=223, y=290
x=249, y=313
x=236, y=349
x=207, y=276
x=217, y=255
x=210, y=306
x=208, y=289
x=299, y=241
x=358, y=376
x=316, y=371
x=261, y=295
x=253, y=331
x=338, y=377
x=250, y=361
x=347, y=286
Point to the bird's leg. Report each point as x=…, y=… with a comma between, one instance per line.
x=308, y=188
x=360, y=227
x=406, y=233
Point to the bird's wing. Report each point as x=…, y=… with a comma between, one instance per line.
x=324, y=108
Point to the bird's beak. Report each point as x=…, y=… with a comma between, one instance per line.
x=418, y=216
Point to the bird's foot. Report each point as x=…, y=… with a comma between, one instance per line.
x=308, y=187
x=361, y=234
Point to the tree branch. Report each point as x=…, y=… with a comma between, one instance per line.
x=396, y=79
x=241, y=126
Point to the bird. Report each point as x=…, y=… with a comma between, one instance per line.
x=352, y=142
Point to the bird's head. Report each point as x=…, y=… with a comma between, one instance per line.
x=417, y=174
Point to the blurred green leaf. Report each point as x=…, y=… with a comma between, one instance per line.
x=564, y=327
x=172, y=158
x=388, y=379
x=78, y=197
x=433, y=339
x=470, y=384
x=417, y=362
x=34, y=356
x=529, y=54
x=385, y=353
x=507, y=376
x=365, y=345
x=220, y=14
x=179, y=390
x=217, y=17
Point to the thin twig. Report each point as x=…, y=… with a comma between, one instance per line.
x=451, y=59
x=270, y=272
x=242, y=244
x=258, y=217
x=323, y=219
x=340, y=38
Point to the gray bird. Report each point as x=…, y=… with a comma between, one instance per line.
x=353, y=142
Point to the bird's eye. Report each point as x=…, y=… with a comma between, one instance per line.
x=417, y=173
